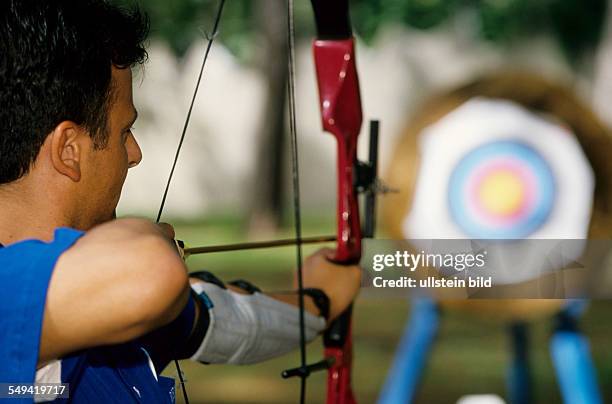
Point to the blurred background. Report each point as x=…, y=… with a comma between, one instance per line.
x=233, y=179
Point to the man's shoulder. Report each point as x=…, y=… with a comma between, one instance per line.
x=25, y=272
x=29, y=253
x=62, y=237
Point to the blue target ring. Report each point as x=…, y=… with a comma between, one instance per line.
x=502, y=189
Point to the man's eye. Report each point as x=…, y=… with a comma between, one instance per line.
x=128, y=132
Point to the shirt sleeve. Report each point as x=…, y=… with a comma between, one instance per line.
x=25, y=273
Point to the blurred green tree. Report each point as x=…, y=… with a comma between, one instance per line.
x=576, y=24
x=181, y=22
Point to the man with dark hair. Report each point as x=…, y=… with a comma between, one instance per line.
x=85, y=299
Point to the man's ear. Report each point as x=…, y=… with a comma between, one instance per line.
x=67, y=149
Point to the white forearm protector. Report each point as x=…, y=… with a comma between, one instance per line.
x=250, y=328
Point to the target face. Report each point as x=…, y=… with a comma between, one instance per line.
x=491, y=169
x=502, y=189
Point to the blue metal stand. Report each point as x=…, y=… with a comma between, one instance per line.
x=569, y=350
x=572, y=359
x=411, y=357
x=518, y=379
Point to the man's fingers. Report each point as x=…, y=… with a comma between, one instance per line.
x=180, y=247
x=325, y=252
x=167, y=229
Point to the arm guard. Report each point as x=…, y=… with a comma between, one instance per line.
x=251, y=328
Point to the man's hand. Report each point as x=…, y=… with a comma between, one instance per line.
x=339, y=282
x=167, y=230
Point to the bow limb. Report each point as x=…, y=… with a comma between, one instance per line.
x=341, y=114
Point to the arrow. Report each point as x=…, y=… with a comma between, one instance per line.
x=257, y=245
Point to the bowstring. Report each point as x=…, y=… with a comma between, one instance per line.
x=211, y=39
x=296, y=192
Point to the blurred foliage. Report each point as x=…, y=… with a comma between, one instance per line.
x=576, y=24
x=180, y=22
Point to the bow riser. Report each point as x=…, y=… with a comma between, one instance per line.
x=339, y=390
x=341, y=115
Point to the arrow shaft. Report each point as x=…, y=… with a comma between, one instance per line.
x=258, y=245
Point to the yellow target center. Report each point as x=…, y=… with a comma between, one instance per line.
x=501, y=193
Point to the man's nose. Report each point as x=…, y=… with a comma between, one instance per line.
x=134, y=152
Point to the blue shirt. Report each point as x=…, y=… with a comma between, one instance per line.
x=113, y=374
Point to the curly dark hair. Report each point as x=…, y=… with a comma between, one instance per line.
x=56, y=59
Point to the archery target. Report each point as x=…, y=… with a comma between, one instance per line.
x=503, y=189
x=492, y=169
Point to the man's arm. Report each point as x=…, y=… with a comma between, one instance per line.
x=118, y=282
x=245, y=326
